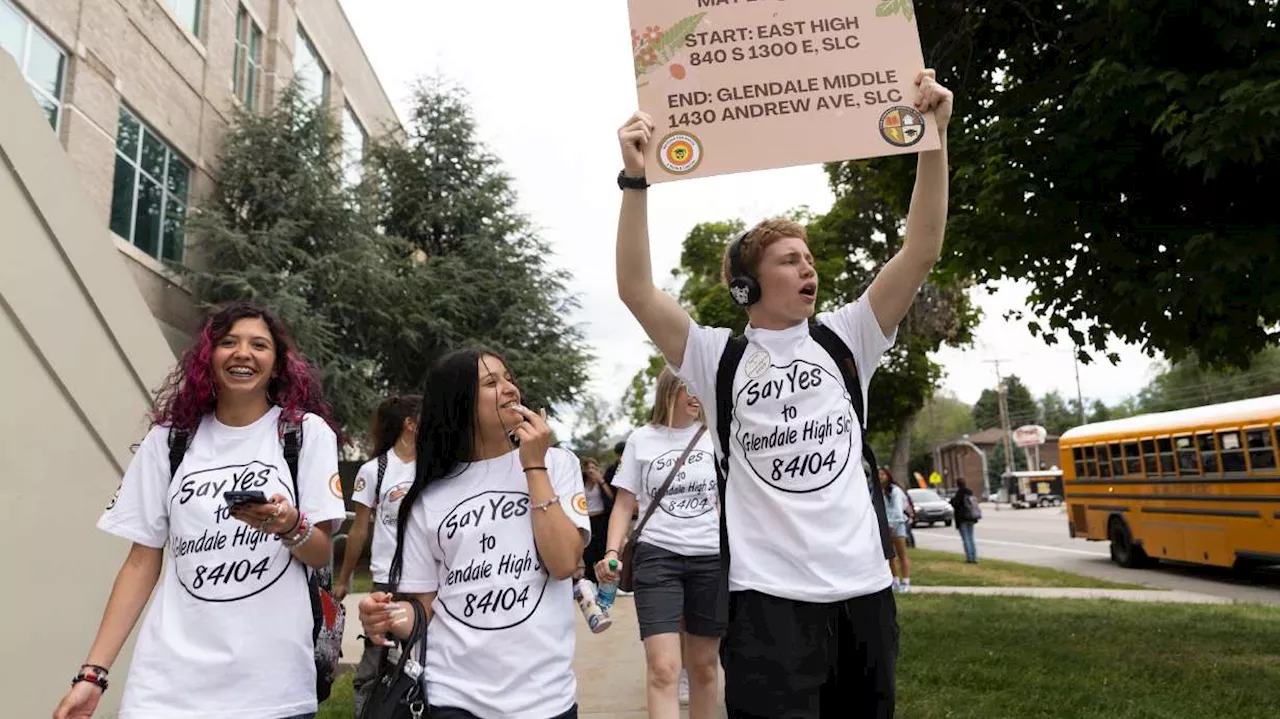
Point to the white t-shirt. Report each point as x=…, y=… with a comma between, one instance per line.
x=386, y=508
x=595, y=500
x=228, y=632
x=501, y=638
x=686, y=521
x=799, y=513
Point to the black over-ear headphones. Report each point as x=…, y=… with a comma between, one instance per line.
x=743, y=288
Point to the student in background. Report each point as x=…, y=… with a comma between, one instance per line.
x=380, y=485
x=676, y=561
x=600, y=499
x=896, y=510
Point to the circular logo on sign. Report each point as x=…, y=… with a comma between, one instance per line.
x=757, y=363
x=679, y=152
x=902, y=126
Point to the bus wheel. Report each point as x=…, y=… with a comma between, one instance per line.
x=1124, y=551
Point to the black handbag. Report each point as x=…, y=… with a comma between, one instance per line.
x=394, y=693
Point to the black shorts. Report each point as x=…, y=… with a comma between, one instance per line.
x=670, y=587
x=785, y=659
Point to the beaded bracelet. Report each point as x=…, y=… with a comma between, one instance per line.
x=301, y=535
x=297, y=542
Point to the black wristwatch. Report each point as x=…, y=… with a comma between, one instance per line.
x=631, y=183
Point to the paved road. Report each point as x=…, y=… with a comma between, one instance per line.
x=1039, y=536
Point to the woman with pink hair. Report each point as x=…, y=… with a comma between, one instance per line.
x=229, y=629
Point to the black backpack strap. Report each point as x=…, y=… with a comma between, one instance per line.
x=734, y=349
x=382, y=471
x=843, y=356
x=291, y=438
x=178, y=441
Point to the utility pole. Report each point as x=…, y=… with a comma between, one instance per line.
x=1075, y=357
x=1009, y=460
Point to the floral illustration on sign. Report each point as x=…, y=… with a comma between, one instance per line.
x=892, y=7
x=655, y=47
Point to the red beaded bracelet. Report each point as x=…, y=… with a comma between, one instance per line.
x=91, y=675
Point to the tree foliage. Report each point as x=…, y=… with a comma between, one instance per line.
x=448, y=196
x=1119, y=156
x=1019, y=403
x=377, y=280
x=281, y=228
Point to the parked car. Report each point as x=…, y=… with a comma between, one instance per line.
x=930, y=508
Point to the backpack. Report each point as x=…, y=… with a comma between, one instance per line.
x=734, y=349
x=972, y=508
x=328, y=616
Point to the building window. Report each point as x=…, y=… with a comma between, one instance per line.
x=149, y=197
x=310, y=70
x=40, y=59
x=188, y=14
x=248, y=65
x=353, y=141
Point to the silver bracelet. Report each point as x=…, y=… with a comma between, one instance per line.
x=544, y=506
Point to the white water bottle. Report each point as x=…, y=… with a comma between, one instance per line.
x=584, y=592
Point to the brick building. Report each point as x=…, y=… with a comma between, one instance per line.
x=139, y=93
x=956, y=459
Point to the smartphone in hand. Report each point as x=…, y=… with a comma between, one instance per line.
x=235, y=500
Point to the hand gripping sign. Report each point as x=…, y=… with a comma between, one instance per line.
x=741, y=85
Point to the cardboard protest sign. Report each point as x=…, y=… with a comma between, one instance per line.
x=741, y=85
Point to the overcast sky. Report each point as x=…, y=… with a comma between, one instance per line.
x=550, y=83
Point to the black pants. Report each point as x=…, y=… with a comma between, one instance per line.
x=453, y=713
x=785, y=659
x=594, y=551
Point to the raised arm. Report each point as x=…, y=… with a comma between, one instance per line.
x=662, y=318
x=895, y=288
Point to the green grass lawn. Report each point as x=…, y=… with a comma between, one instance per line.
x=340, y=704
x=1021, y=658
x=361, y=581
x=997, y=657
x=930, y=567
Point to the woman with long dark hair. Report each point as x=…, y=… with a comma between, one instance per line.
x=489, y=536
x=229, y=632
x=895, y=506
x=380, y=484
x=676, y=561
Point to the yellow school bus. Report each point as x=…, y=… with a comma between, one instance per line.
x=1196, y=485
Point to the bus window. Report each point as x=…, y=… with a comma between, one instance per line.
x=1208, y=452
x=1232, y=452
x=1090, y=461
x=1132, y=460
x=1104, y=461
x=1165, y=446
x=1117, y=460
x=1078, y=456
x=1149, y=455
x=1188, y=460
x=1262, y=454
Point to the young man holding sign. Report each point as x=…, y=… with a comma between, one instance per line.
x=812, y=621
